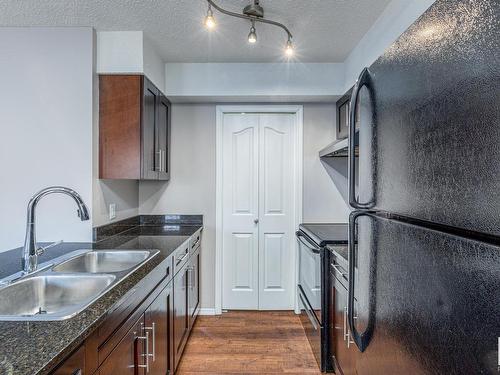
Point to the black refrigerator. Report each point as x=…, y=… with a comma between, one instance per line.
x=424, y=238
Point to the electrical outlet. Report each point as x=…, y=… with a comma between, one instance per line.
x=112, y=211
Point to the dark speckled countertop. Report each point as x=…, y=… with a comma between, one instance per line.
x=339, y=250
x=36, y=347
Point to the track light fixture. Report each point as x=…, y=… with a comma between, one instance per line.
x=254, y=13
x=209, y=19
x=289, y=48
x=252, y=36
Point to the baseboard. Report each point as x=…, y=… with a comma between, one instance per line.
x=207, y=311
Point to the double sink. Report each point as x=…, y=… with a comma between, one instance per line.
x=66, y=286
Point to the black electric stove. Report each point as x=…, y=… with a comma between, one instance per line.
x=313, y=284
x=326, y=234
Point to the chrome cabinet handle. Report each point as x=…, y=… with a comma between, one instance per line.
x=153, y=333
x=347, y=334
x=158, y=159
x=153, y=326
x=345, y=324
x=146, y=338
x=339, y=270
x=189, y=269
x=179, y=260
x=363, y=80
x=195, y=242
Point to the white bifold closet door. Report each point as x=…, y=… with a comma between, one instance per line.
x=258, y=209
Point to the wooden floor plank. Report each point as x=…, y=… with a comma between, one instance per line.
x=248, y=342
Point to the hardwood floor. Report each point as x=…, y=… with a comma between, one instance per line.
x=248, y=342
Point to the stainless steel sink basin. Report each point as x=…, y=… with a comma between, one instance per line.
x=51, y=296
x=103, y=261
x=65, y=286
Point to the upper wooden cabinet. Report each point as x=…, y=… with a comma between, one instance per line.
x=134, y=129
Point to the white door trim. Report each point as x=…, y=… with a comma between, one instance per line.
x=296, y=110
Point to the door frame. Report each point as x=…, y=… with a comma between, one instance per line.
x=298, y=112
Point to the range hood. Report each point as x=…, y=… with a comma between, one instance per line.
x=339, y=148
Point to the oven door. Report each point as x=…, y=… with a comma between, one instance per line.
x=311, y=325
x=310, y=282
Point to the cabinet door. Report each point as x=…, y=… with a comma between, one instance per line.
x=342, y=346
x=158, y=322
x=74, y=365
x=181, y=312
x=149, y=149
x=163, y=141
x=130, y=356
x=194, y=286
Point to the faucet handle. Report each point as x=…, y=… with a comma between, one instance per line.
x=42, y=249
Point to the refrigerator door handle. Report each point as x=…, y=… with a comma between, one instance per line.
x=360, y=339
x=363, y=80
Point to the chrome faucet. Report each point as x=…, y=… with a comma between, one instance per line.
x=31, y=251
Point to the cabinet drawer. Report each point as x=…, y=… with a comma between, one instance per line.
x=125, y=313
x=181, y=312
x=74, y=365
x=129, y=356
x=109, y=345
x=195, y=241
x=181, y=256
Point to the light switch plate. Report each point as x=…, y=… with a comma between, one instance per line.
x=112, y=211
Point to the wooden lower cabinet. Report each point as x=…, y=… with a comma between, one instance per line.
x=342, y=346
x=74, y=364
x=181, y=311
x=194, y=286
x=129, y=356
x=146, y=332
x=158, y=324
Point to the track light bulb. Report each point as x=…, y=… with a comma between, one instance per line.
x=209, y=19
x=252, y=37
x=289, y=48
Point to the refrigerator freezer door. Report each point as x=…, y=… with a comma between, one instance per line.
x=433, y=302
x=430, y=119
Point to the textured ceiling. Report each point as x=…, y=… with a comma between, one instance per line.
x=324, y=30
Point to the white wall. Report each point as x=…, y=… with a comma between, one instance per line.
x=129, y=52
x=323, y=203
x=153, y=64
x=191, y=189
x=121, y=52
x=253, y=81
x=393, y=21
x=46, y=120
x=308, y=82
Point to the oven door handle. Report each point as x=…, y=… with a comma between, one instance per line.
x=311, y=316
x=308, y=243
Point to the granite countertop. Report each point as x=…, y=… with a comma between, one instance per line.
x=339, y=250
x=36, y=347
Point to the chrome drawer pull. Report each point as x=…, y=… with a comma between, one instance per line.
x=339, y=270
x=146, y=366
x=181, y=259
x=152, y=329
